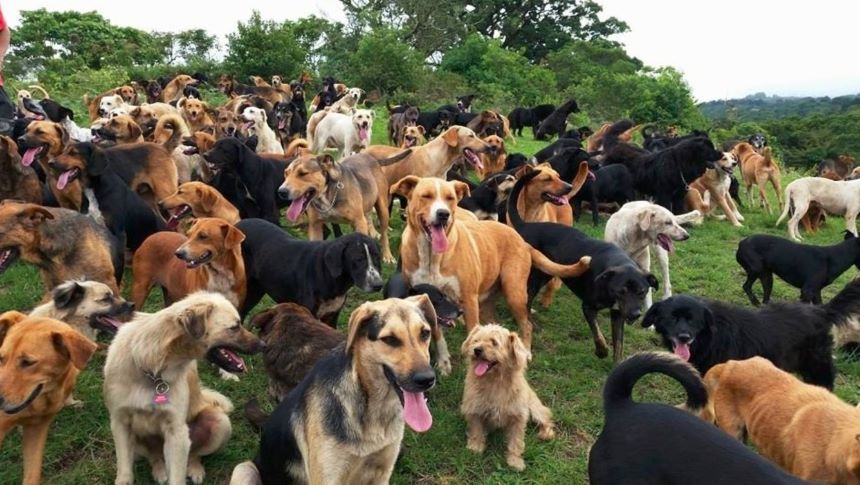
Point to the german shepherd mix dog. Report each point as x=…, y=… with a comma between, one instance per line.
x=62, y=243
x=86, y=306
x=40, y=360
x=344, y=423
x=656, y=444
x=158, y=409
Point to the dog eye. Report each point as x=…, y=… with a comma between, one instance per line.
x=27, y=363
x=235, y=328
x=425, y=334
x=427, y=196
x=203, y=236
x=391, y=341
x=494, y=342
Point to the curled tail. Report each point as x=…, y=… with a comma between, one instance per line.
x=844, y=308
x=787, y=207
x=619, y=385
x=41, y=90
x=541, y=262
x=255, y=414
x=297, y=146
x=215, y=398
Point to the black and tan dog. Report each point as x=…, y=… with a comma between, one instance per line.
x=62, y=243
x=119, y=130
x=86, y=306
x=344, y=422
x=337, y=192
x=17, y=181
x=43, y=141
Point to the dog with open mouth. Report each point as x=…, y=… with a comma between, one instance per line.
x=257, y=124
x=86, y=306
x=344, y=422
x=197, y=200
x=118, y=130
x=412, y=136
x=158, y=408
x=42, y=141
x=714, y=186
x=196, y=114
x=16, y=180
x=494, y=158
x=40, y=359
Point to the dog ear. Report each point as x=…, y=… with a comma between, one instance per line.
x=264, y=115
x=452, y=136
x=425, y=306
x=96, y=161
x=181, y=103
x=68, y=294
x=652, y=281
x=464, y=348
x=251, y=143
x=232, y=236
x=194, y=321
x=134, y=130
x=652, y=315
x=523, y=170
x=421, y=129
x=405, y=186
x=519, y=352
x=208, y=197
x=333, y=258
x=64, y=135
x=73, y=346
x=710, y=321
x=32, y=215
x=7, y=319
x=263, y=320
x=645, y=218
x=358, y=323
x=329, y=168
x=461, y=189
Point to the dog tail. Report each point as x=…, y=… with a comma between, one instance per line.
x=615, y=131
x=45, y=94
x=787, y=206
x=396, y=158
x=297, y=146
x=255, y=414
x=550, y=267
x=845, y=306
x=513, y=215
x=214, y=398
x=619, y=385
x=767, y=153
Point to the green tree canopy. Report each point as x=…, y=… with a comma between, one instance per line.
x=263, y=48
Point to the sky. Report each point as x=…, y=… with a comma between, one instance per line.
x=725, y=48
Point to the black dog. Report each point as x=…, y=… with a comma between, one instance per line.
x=314, y=274
x=613, y=281
x=435, y=122
x=757, y=140
x=794, y=336
x=521, y=117
x=515, y=161
x=556, y=123
x=298, y=90
x=247, y=180
x=464, y=105
x=447, y=310
x=289, y=122
x=810, y=268
x=611, y=184
x=656, y=444
x=555, y=148
x=55, y=111
x=666, y=175
x=487, y=200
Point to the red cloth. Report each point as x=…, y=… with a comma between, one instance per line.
x=2, y=21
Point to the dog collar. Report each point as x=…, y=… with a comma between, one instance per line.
x=332, y=199
x=684, y=181
x=160, y=396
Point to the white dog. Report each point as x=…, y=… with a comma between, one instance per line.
x=346, y=105
x=640, y=224
x=109, y=104
x=348, y=134
x=835, y=197
x=258, y=124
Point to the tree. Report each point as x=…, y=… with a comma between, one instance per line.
x=263, y=48
x=186, y=46
x=384, y=63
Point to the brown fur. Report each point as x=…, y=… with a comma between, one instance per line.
x=148, y=114
x=595, y=141
x=502, y=397
x=195, y=113
x=54, y=138
x=758, y=169
x=126, y=92
x=173, y=90
x=494, y=162
x=165, y=259
x=196, y=144
x=412, y=136
x=123, y=129
x=482, y=257
x=803, y=428
x=16, y=180
x=715, y=182
x=227, y=123
x=814, y=218
x=196, y=199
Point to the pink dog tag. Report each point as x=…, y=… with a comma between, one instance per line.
x=161, y=390
x=160, y=399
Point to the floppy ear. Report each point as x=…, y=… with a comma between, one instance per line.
x=134, y=113
x=462, y=190
x=64, y=135
x=645, y=218
x=74, y=346
x=193, y=320
x=652, y=281
x=451, y=136
x=181, y=103
x=425, y=306
x=33, y=215
x=232, y=236
x=7, y=319
x=68, y=294
x=710, y=320
x=264, y=319
x=652, y=315
x=333, y=258
x=329, y=167
x=134, y=130
x=405, y=186
x=264, y=115
x=523, y=170
x=464, y=347
x=96, y=161
x=358, y=322
x=209, y=197
x=519, y=352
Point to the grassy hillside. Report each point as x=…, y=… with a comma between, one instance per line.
x=565, y=374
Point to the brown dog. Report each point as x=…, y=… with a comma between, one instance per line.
x=196, y=199
x=227, y=123
x=210, y=258
x=716, y=182
x=412, y=136
x=196, y=114
x=494, y=157
x=43, y=141
x=41, y=360
x=196, y=144
x=173, y=90
x=16, y=180
x=805, y=429
x=470, y=261
x=119, y=130
x=126, y=92
x=758, y=169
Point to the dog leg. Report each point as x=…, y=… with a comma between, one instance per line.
x=767, y=286
x=541, y=415
x=443, y=357
x=124, y=446
x=728, y=211
x=851, y=221
x=516, y=434
x=377, y=468
x=549, y=292
x=383, y=216
x=801, y=206
x=177, y=445
x=518, y=303
x=748, y=284
x=663, y=261
x=476, y=435
x=760, y=182
x=617, y=322
x=471, y=312
x=600, y=348
x=34, y=438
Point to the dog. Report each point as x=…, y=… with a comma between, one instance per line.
x=196, y=199
x=126, y=94
x=794, y=336
x=612, y=280
x=758, y=141
x=470, y=261
x=158, y=408
x=412, y=136
x=288, y=269
x=836, y=168
x=196, y=113
x=655, y=430
x=118, y=130
x=715, y=184
x=487, y=200
x=289, y=122
x=257, y=125
x=758, y=169
x=386, y=350
x=612, y=184
x=346, y=104
x=493, y=160
x=112, y=103
x=804, y=429
x=834, y=197
x=397, y=122
x=809, y=268
x=210, y=259
x=641, y=225
x=556, y=122
x=42, y=141
x=42, y=358
x=87, y=307
x=532, y=117
x=62, y=243
x=194, y=145
x=227, y=123
x=435, y=122
x=497, y=395
x=17, y=181
x=346, y=133
x=111, y=201
x=173, y=90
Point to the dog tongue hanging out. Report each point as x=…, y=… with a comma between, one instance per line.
x=415, y=411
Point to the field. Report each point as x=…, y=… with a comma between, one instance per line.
x=565, y=373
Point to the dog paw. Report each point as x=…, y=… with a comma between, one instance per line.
x=123, y=481
x=546, y=433
x=71, y=402
x=389, y=259
x=516, y=462
x=738, y=224
x=444, y=366
x=228, y=376
x=601, y=352
x=196, y=472
x=476, y=446
x=159, y=472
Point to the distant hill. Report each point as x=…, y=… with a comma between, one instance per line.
x=761, y=107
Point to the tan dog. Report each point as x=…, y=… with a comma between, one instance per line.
x=595, y=141
x=16, y=180
x=195, y=113
x=119, y=130
x=714, y=186
x=496, y=394
x=195, y=145
x=210, y=258
x=126, y=93
x=494, y=157
x=148, y=114
x=41, y=360
x=347, y=104
x=173, y=90
x=43, y=141
x=470, y=261
x=169, y=132
x=435, y=158
x=803, y=428
x=412, y=136
x=158, y=409
x=86, y=306
x=227, y=123
x=196, y=199
x=758, y=169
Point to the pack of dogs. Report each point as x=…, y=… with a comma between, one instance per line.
x=209, y=205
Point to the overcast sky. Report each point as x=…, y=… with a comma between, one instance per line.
x=726, y=48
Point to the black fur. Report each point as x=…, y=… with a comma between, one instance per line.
x=556, y=122
x=611, y=184
x=532, y=117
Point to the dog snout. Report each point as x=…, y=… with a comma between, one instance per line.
x=181, y=253
x=634, y=314
x=566, y=187
x=479, y=352
x=442, y=216
x=684, y=338
x=424, y=379
x=284, y=192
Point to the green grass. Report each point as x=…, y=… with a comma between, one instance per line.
x=565, y=373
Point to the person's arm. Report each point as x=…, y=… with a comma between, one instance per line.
x=5, y=40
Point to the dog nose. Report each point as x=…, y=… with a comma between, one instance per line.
x=685, y=236
x=259, y=346
x=442, y=216
x=181, y=253
x=567, y=187
x=284, y=193
x=634, y=314
x=129, y=306
x=684, y=338
x=479, y=352
x=424, y=379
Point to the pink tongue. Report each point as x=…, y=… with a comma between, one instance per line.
x=295, y=209
x=30, y=156
x=438, y=239
x=172, y=222
x=682, y=350
x=362, y=133
x=668, y=245
x=563, y=200
x=64, y=179
x=482, y=368
x=281, y=124
x=415, y=411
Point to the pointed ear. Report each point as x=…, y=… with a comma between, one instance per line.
x=68, y=294
x=74, y=346
x=462, y=190
x=64, y=135
x=519, y=352
x=193, y=320
x=425, y=306
x=134, y=130
x=645, y=218
x=32, y=215
x=405, y=186
x=523, y=170
x=361, y=318
x=7, y=319
x=232, y=236
x=652, y=316
x=421, y=129
x=452, y=136
x=329, y=167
